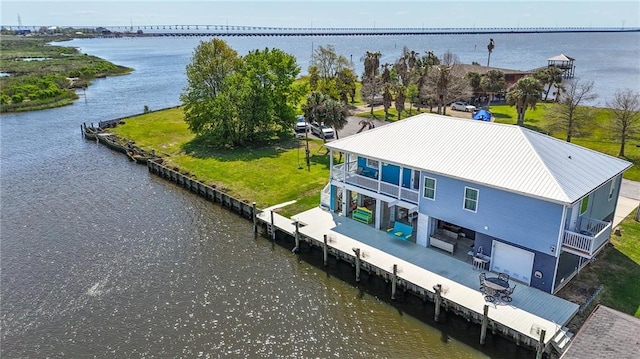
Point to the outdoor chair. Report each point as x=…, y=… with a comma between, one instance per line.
x=504, y=277
x=506, y=295
x=483, y=277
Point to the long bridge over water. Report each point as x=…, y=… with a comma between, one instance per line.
x=234, y=30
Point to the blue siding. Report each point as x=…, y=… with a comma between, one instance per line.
x=391, y=174
x=544, y=263
x=406, y=177
x=601, y=207
x=367, y=171
x=524, y=221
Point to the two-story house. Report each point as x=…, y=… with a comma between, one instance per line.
x=536, y=207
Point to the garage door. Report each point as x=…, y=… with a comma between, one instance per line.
x=516, y=262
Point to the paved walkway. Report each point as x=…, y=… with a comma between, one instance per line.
x=628, y=201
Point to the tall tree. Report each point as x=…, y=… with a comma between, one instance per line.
x=335, y=115
x=422, y=71
x=346, y=85
x=249, y=101
x=370, y=90
x=448, y=81
x=625, y=106
x=490, y=48
x=371, y=82
x=474, y=81
x=212, y=63
x=524, y=94
x=492, y=82
x=568, y=114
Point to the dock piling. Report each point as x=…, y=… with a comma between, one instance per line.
x=485, y=322
x=394, y=282
x=325, y=251
x=540, y=349
x=357, y=252
x=273, y=227
x=255, y=218
x=297, y=238
x=437, y=299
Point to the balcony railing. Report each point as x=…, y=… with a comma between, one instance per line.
x=590, y=235
x=352, y=177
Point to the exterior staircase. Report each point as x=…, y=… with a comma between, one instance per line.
x=561, y=340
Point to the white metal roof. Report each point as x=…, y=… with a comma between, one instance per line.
x=509, y=157
x=561, y=57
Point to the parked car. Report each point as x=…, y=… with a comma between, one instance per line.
x=301, y=124
x=301, y=127
x=321, y=130
x=462, y=106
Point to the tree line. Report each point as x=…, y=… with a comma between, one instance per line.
x=237, y=100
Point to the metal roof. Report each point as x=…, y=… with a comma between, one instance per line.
x=561, y=57
x=508, y=157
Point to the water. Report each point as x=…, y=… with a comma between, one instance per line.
x=101, y=259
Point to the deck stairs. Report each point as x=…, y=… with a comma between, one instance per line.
x=561, y=340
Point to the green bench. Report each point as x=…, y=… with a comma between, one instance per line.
x=361, y=214
x=400, y=230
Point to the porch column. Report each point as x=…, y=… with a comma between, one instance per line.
x=345, y=202
x=378, y=219
x=330, y=165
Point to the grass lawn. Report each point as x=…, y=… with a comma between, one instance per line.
x=267, y=175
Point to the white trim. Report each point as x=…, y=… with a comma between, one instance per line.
x=370, y=165
x=612, y=189
x=435, y=185
x=464, y=199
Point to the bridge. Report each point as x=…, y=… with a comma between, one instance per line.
x=234, y=30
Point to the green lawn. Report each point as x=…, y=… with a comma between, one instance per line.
x=267, y=175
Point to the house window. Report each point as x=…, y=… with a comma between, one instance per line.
x=612, y=189
x=372, y=163
x=429, y=188
x=584, y=205
x=470, y=199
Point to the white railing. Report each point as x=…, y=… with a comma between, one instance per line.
x=592, y=235
x=338, y=172
x=325, y=196
x=389, y=189
x=364, y=182
x=409, y=195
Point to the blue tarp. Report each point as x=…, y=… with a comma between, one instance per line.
x=482, y=115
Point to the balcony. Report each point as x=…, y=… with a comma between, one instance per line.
x=369, y=181
x=588, y=238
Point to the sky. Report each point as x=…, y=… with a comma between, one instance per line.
x=327, y=13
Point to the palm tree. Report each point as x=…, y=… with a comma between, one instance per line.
x=335, y=115
x=314, y=107
x=492, y=82
x=490, y=47
x=524, y=94
x=549, y=76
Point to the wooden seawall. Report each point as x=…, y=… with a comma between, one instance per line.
x=212, y=194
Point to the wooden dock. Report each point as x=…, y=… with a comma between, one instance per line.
x=526, y=319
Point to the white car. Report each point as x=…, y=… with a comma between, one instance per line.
x=462, y=106
x=321, y=131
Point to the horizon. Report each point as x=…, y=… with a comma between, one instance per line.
x=327, y=14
